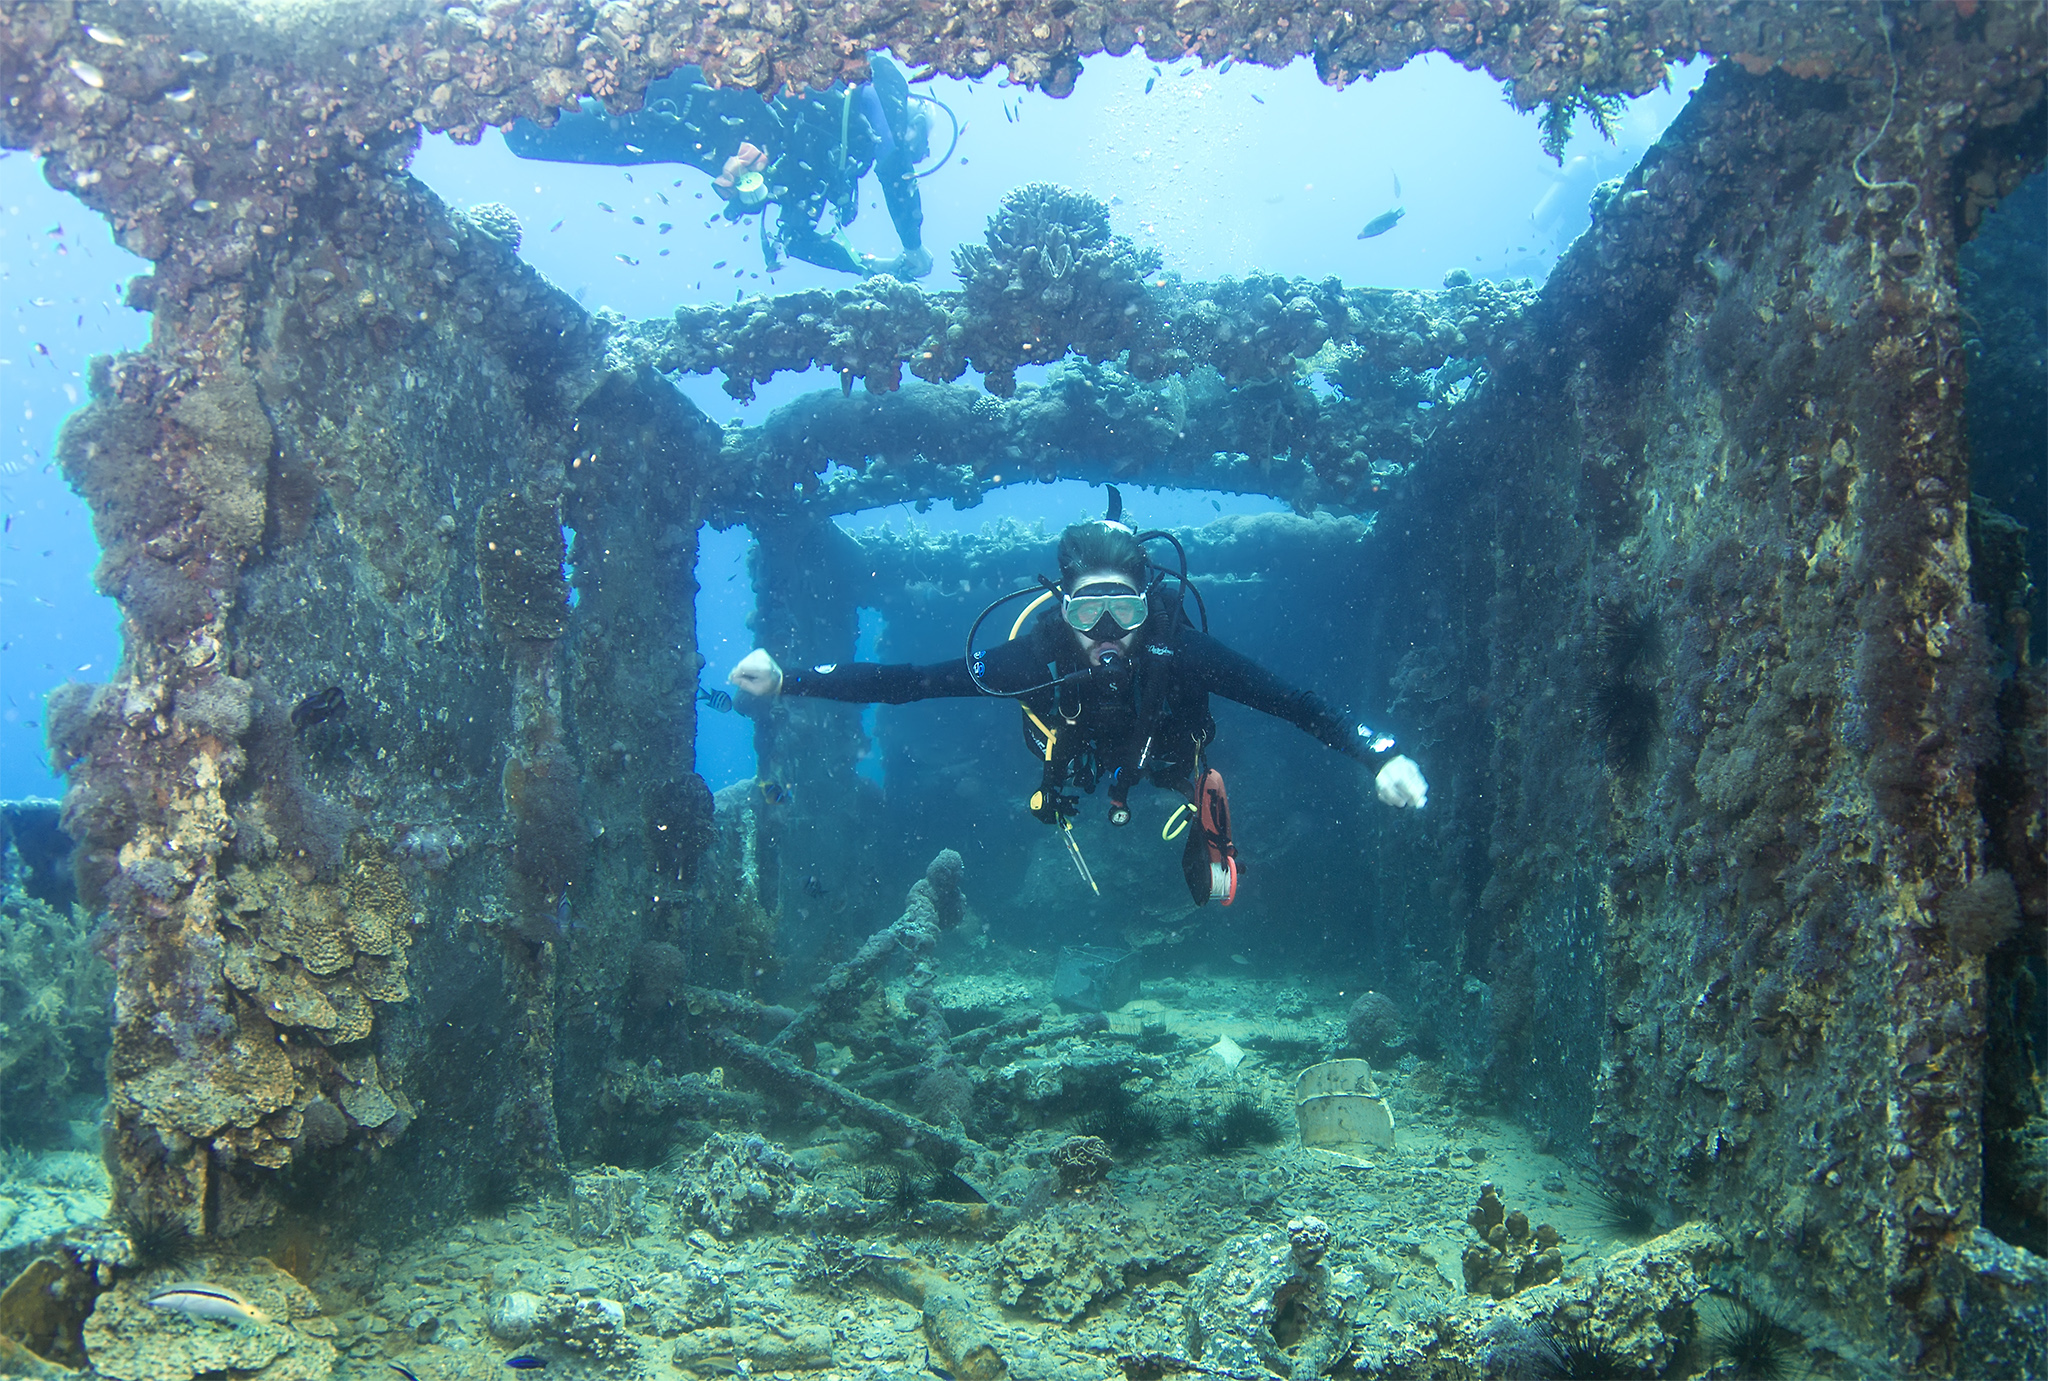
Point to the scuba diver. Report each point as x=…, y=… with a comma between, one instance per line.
x=795, y=154
x=1114, y=679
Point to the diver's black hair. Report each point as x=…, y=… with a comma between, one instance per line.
x=1101, y=546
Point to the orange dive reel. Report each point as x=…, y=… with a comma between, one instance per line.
x=1209, y=860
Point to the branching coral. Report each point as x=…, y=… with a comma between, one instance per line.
x=1052, y=278
x=1562, y=111
x=53, y=1017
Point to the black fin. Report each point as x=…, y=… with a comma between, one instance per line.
x=1116, y=505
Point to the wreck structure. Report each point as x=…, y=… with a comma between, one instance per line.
x=1728, y=687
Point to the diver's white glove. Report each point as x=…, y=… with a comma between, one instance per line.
x=757, y=674
x=1400, y=782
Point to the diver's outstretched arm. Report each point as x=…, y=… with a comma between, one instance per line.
x=870, y=683
x=1398, y=781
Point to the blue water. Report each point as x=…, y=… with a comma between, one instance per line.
x=1224, y=173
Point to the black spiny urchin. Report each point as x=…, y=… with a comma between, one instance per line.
x=493, y=1191
x=1628, y=638
x=1625, y=718
x=1580, y=1356
x=1622, y=702
x=1757, y=1346
x=1548, y=1350
x=1243, y=1122
x=1625, y=1213
x=157, y=1237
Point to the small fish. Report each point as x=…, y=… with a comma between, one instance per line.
x=775, y=792
x=602, y=207
x=406, y=1372
x=717, y=699
x=663, y=228
x=1223, y=66
x=204, y=1301
x=1257, y=97
x=202, y=206
x=556, y=226
x=319, y=707
x=719, y=265
x=627, y=260
x=103, y=35
x=935, y=1369
x=194, y=57
x=1397, y=186
x=1150, y=82
x=633, y=148
x=87, y=73
x=526, y=1362
x=1382, y=223
x=1382, y=469
x=638, y=221
x=663, y=196
x=813, y=886
x=180, y=96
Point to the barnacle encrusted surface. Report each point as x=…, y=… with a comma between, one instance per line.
x=519, y=554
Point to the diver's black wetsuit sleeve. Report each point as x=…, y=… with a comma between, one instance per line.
x=1235, y=676
x=1009, y=667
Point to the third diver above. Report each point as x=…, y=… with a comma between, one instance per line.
x=1114, y=679
x=796, y=156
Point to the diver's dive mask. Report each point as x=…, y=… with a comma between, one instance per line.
x=1100, y=603
x=750, y=189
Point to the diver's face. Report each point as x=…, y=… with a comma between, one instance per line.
x=1094, y=642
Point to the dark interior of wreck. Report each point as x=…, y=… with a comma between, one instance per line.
x=1709, y=597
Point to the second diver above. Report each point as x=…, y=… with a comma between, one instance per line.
x=1114, y=679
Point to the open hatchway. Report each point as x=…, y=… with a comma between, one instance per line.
x=1673, y=589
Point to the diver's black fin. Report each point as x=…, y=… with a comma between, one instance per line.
x=1116, y=505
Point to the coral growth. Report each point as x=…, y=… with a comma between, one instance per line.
x=1081, y=1161
x=1375, y=1027
x=731, y=1184
x=1052, y=278
x=54, y=1015
x=1510, y=1255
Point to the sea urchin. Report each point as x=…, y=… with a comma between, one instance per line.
x=1752, y=1342
x=157, y=1238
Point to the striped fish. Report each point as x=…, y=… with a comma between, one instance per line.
x=204, y=1301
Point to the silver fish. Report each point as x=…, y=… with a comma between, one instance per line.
x=87, y=73
x=204, y=1301
x=104, y=35
x=180, y=96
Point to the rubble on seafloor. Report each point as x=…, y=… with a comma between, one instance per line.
x=829, y=1249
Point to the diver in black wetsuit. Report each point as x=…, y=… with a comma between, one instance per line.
x=796, y=154
x=1115, y=683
